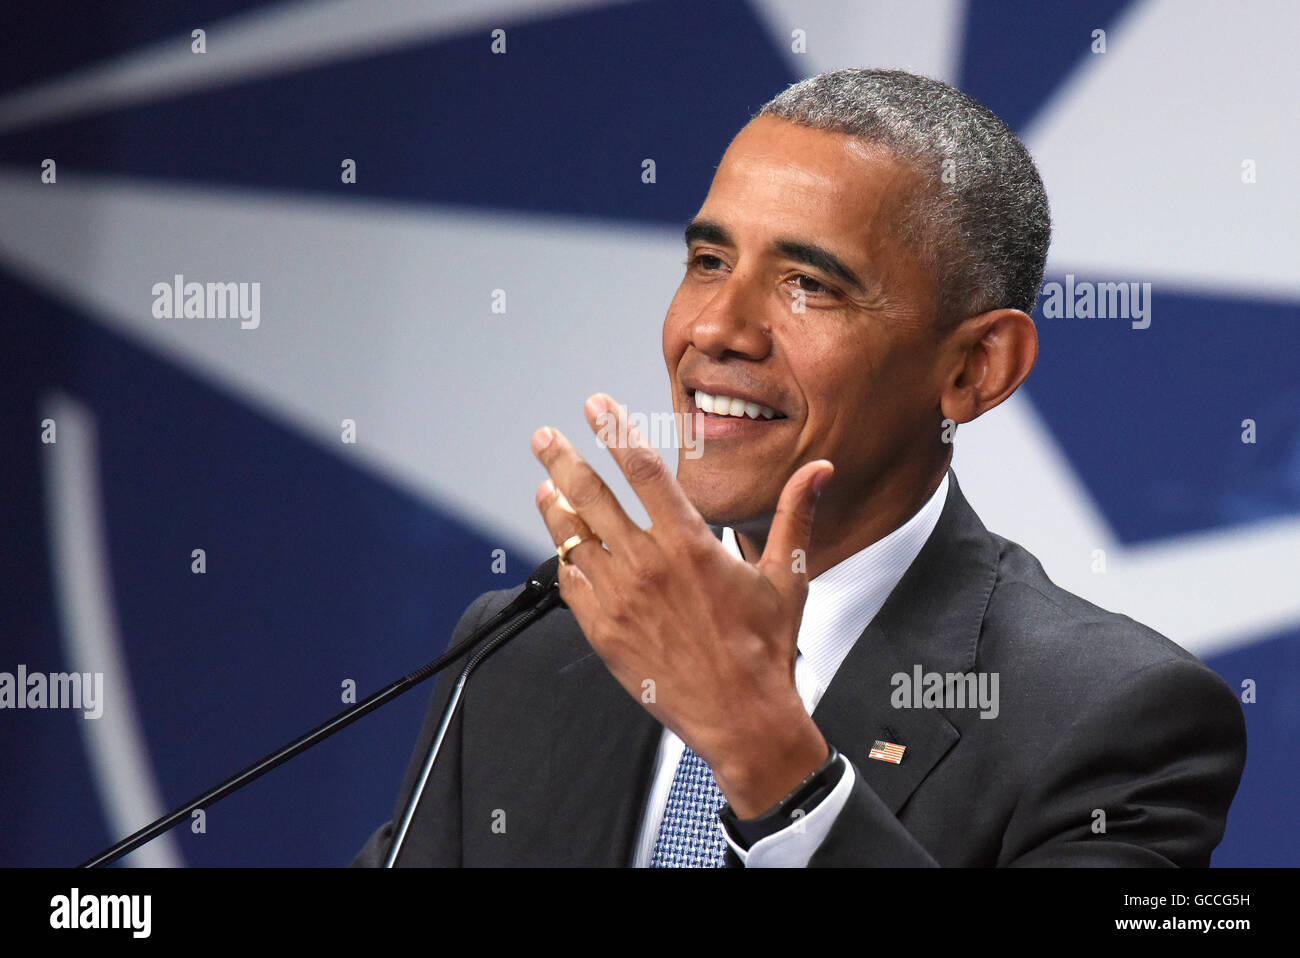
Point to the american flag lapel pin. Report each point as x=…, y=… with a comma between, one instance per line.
x=887, y=752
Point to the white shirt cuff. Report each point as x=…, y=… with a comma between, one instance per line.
x=795, y=845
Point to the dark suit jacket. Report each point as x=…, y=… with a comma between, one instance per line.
x=550, y=760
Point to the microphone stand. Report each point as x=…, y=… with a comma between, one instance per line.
x=449, y=712
x=540, y=594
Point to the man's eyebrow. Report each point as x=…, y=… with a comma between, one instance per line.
x=706, y=231
x=819, y=258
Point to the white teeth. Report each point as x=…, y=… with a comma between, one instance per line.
x=729, y=406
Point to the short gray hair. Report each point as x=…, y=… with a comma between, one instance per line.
x=984, y=228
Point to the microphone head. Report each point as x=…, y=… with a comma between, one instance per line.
x=546, y=577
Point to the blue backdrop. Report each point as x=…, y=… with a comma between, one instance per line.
x=133, y=150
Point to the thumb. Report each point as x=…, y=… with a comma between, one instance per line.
x=785, y=559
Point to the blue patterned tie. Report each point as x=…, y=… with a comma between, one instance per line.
x=691, y=833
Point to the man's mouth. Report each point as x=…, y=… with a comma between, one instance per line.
x=721, y=406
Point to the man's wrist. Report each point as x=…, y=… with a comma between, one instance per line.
x=764, y=765
x=801, y=800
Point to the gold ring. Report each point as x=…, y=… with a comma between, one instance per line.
x=567, y=544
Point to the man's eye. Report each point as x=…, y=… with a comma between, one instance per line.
x=705, y=261
x=810, y=285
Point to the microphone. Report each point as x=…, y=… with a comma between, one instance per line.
x=540, y=594
x=545, y=576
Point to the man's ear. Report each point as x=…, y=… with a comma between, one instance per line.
x=989, y=355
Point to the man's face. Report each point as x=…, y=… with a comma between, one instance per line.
x=799, y=217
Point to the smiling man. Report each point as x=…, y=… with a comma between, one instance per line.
x=793, y=665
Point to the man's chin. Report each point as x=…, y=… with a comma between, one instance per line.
x=737, y=511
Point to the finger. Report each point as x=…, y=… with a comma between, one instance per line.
x=575, y=588
x=785, y=559
x=649, y=476
x=583, y=489
x=563, y=523
x=579, y=596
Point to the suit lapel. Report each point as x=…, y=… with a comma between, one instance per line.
x=855, y=712
x=931, y=619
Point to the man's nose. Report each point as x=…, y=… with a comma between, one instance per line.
x=735, y=318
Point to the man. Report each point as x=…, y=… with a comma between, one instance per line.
x=855, y=671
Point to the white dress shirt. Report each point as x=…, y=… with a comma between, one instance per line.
x=841, y=603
